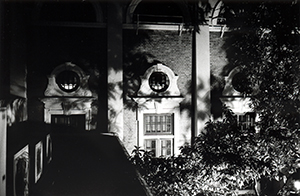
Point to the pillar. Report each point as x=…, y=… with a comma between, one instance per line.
x=201, y=80
x=115, y=68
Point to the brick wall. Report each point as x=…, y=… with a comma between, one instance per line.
x=219, y=69
x=167, y=47
x=218, y=58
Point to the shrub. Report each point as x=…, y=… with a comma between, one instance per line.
x=222, y=160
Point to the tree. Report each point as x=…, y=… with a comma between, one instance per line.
x=264, y=42
x=266, y=46
x=222, y=161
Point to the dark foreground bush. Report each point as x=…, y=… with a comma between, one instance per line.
x=222, y=161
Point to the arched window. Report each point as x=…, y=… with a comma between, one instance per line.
x=159, y=81
x=241, y=84
x=68, y=81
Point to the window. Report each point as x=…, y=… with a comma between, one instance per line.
x=158, y=124
x=77, y=120
x=159, y=81
x=68, y=81
x=159, y=147
x=241, y=84
x=246, y=121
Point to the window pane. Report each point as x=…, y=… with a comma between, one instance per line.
x=166, y=147
x=153, y=127
x=159, y=81
x=158, y=128
x=168, y=119
x=68, y=81
x=150, y=146
x=168, y=128
x=153, y=144
x=164, y=127
x=246, y=121
x=169, y=147
x=158, y=123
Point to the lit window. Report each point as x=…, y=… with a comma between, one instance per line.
x=68, y=80
x=246, y=121
x=159, y=81
x=150, y=146
x=158, y=124
x=159, y=147
x=165, y=147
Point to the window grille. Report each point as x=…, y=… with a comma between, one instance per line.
x=159, y=147
x=246, y=121
x=159, y=81
x=68, y=81
x=158, y=124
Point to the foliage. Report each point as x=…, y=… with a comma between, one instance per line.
x=222, y=161
x=264, y=42
x=266, y=46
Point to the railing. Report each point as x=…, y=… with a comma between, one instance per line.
x=158, y=19
x=140, y=19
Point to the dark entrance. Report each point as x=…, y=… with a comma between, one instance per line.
x=74, y=121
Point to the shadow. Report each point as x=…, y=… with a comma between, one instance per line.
x=217, y=86
x=266, y=47
x=186, y=104
x=88, y=163
x=135, y=62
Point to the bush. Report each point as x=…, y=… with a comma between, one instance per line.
x=222, y=161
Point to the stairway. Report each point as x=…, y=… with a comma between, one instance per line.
x=88, y=164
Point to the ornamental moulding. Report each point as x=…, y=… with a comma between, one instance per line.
x=149, y=98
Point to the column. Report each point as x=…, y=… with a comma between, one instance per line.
x=3, y=150
x=115, y=68
x=201, y=80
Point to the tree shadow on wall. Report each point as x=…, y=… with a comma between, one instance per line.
x=133, y=70
x=187, y=104
x=217, y=87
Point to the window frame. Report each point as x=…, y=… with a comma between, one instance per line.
x=162, y=123
x=165, y=83
x=158, y=149
x=246, y=121
x=59, y=79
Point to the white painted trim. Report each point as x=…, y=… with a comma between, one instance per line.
x=49, y=148
x=86, y=112
x=176, y=127
x=3, y=150
x=53, y=89
x=22, y=153
x=174, y=27
x=169, y=27
x=228, y=89
x=37, y=175
x=145, y=89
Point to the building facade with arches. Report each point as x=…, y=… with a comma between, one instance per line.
x=140, y=69
x=114, y=44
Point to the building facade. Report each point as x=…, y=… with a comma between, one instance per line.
x=151, y=72
x=139, y=69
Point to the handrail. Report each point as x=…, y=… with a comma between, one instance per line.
x=139, y=21
x=157, y=22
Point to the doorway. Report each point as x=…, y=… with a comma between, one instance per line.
x=73, y=121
